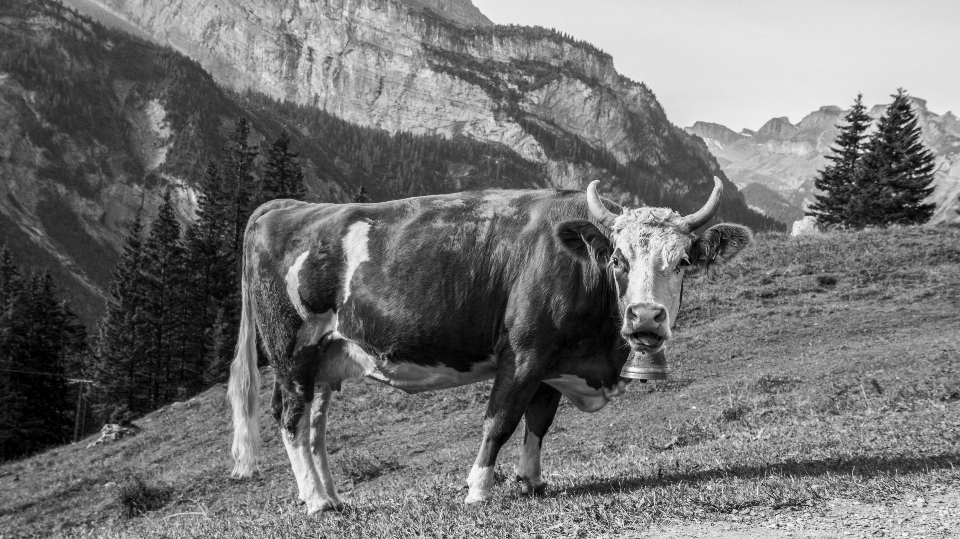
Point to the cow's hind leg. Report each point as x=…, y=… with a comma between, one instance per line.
x=318, y=420
x=293, y=402
x=513, y=388
x=539, y=415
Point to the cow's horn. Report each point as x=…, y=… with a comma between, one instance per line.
x=698, y=219
x=600, y=212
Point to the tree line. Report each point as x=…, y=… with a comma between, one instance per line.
x=43, y=349
x=879, y=179
x=173, y=309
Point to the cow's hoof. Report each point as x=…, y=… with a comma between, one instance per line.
x=531, y=486
x=324, y=504
x=476, y=498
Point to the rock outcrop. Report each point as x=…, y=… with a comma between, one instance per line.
x=113, y=432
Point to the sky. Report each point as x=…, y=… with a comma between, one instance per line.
x=741, y=62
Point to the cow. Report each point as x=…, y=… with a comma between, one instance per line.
x=546, y=292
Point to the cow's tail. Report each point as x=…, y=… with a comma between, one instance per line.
x=244, y=390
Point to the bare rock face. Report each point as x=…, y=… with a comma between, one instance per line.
x=787, y=158
x=426, y=66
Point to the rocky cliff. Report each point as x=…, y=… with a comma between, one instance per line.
x=439, y=67
x=776, y=165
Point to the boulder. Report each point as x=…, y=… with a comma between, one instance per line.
x=112, y=432
x=805, y=226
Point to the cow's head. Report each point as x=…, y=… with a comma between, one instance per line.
x=647, y=251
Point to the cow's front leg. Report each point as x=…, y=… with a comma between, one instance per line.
x=512, y=390
x=539, y=415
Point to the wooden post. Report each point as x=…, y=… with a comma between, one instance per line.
x=76, y=416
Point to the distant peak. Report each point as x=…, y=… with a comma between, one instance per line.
x=777, y=127
x=708, y=130
x=918, y=102
x=778, y=121
x=707, y=125
x=827, y=114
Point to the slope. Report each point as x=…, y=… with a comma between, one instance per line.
x=814, y=372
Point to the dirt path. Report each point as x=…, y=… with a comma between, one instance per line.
x=933, y=518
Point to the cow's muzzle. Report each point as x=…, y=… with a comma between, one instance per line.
x=644, y=327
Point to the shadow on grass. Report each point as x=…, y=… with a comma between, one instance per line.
x=865, y=467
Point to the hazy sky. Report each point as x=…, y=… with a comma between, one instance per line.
x=741, y=62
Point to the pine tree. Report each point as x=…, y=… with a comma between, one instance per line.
x=283, y=175
x=13, y=401
x=837, y=180
x=163, y=270
x=37, y=340
x=120, y=372
x=219, y=349
x=897, y=171
x=210, y=267
x=49, y=417
x=360, y=196
x=241, y=183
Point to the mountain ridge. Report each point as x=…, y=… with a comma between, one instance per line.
x=381, y=63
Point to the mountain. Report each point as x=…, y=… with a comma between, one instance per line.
x=104, y=106
x=776, y=165
x=440, y=68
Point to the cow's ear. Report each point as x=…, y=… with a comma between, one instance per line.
x=584, y=240
x=718, y=245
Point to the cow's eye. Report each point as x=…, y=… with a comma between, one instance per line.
x=616, y=263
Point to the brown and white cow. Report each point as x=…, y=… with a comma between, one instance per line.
x=538, y=290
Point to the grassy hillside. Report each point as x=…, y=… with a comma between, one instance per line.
x=813, y=370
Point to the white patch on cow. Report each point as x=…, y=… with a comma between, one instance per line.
x=528, y=469
x=480, y=481
x=415, y=378
x=584, y=397
x=293, y=284
x=355, y=246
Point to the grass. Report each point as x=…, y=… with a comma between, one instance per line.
x=814, y=369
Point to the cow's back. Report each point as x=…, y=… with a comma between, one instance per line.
x=429, y=281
